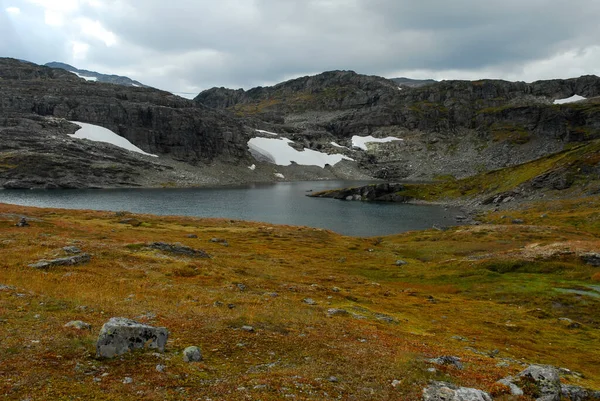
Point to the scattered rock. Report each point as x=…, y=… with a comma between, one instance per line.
x=191, y=236
x=546, y=379
x=386, y=318
x=591, y=258
x=192, y=354
x=70, y=261
x=220, y=241
x=309, y=301
x=448, y=360
x=22, y=223
x=518, y=221
x=249, y=329
x=568, y=323
x=442, y=391
x=127, y=380
x=241, y=286
x=401, y=262
x=160, y=368
x=336, y=289
x=396, y=383
x=79, y=325
x=119, y=335
x=231, y=306
x=337, y=312
x=72, y=250
x=179, y=249
x=333, y=379
x=132, y=222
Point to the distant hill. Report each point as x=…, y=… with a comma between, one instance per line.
x=413, y=83
x=96, y=76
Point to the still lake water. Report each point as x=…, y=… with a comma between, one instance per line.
x=280, y=203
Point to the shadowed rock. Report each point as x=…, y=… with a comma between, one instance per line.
x=119, y=335
x=70, y=261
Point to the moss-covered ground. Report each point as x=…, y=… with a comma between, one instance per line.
x=491, y=294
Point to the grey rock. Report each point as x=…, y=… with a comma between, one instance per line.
x=401, y=263
x=337, y=312
x=575, y=393
x=127, y=380
x=120, y=335
x=192, y=354
x=333, y=379
x=441, y=391
x=249, y=329
x=241, y=287
x=546, y=378
x=448, y=360
x=79, y=325
x=518, y=221
x=69, y=261
x=191, y=236
x=591, y=258
x=22, y=223
x=569, y=323
x=178, y=249
x=72, y=250
x=309, y=301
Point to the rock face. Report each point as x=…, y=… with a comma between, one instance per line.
x=155, y=121
x=120, y=335
x=441, y=391
x=454, y=128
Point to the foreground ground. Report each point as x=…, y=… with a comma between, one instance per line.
x=490, y=294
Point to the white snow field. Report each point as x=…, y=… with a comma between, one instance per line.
x=279, y=152
x=100, y=134
x=361, y=141
x=86, y=78
x=574, y=98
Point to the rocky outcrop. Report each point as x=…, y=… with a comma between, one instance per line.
x=385, y=192
x=120, y=335
x=68, y=261
x=441, y=391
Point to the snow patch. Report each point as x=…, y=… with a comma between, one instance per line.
x=279, y=175
x=93, y=79
x=266, y=132
x=338, y=146
x=100, y=134
x=277, y=151
x=361, y=141
x=574, y=98
x=252, y=167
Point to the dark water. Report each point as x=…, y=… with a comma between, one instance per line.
x=281, y=203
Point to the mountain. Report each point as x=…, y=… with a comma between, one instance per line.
x=448, y=128
x=96, y=76
x=413, y=83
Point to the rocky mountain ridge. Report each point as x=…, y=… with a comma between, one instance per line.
x=96, y=76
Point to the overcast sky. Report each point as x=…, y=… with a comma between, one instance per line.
x=191, y=45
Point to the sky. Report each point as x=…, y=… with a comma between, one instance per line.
x=192, y=45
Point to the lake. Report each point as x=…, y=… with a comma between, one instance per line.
x=279, y=203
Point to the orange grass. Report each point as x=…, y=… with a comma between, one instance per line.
x=454, y=297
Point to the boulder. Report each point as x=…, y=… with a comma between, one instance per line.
x=442, y=391
x=546, y=379
x=120, y=335
x=192, y=354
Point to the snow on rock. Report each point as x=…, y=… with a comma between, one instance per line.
x=85, y=77
x=337, y=145
x=574, y=98
x=277, y=151
x=266, y=132
x=361, y=141
x=252, y=167
x=100, y=134
x=279, y=175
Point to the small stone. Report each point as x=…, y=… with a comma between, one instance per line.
x=309, y=301
x=337, y=312
x=160, y=368
x=79, y=325
x=22, y=223
x=518, y=221
x=241, y=286
x=72, y=250
x=431, y=370
x=335, y=289
x=448, y=360
x=218, y=304
x=333, y=379
x=192, y=354
x=231, y=306
x=400, y=262
x=396, y=383
x=249, y=329
x=127, y=380
x=191, y=236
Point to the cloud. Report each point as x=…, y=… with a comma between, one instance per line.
x=189, y=45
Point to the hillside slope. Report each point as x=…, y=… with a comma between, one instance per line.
x=96, y=76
